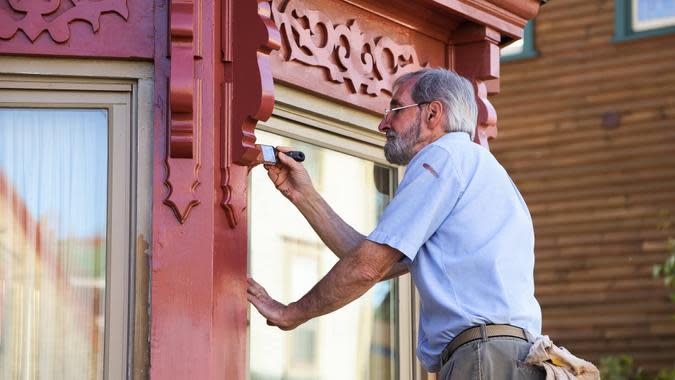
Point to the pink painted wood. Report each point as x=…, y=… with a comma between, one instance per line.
x=183, y=160
x=199, y=307
x=88, y=28
x=476, y=56
x=252, y=87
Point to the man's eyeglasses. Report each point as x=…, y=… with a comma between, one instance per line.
x=388, y=111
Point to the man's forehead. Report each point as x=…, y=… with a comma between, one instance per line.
x=402, y=92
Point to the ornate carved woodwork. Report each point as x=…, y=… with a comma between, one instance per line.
x=369, y=64
x=33, y=23
x=248, y=93
x=184, y=133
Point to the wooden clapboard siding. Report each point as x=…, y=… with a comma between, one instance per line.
x=599, y=197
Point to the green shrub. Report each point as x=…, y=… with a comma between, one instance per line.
x=666, y=271
x=622, y=368
x=619, y=368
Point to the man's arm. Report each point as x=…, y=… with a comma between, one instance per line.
x=292, y=180
x=338, y=236
x=350, y=278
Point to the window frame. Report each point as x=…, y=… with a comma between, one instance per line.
x=308, y=118
x=529, y=49
x=623, y=24
x=126, y=93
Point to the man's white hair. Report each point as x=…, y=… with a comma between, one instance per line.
x=453, y=91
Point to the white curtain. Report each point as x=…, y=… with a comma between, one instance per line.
x=53, y=217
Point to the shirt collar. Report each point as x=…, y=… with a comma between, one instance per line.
x=455, y=136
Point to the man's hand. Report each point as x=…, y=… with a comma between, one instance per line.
x=276, y=313
x=289, y=177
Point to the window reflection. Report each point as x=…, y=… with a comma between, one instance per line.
x=53, y=202
x=359, y=341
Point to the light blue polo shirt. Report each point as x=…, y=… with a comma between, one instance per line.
x=468, y=240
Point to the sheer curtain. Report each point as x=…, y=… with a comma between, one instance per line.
x=53, y=218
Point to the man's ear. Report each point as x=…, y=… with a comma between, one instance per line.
x=434, y=113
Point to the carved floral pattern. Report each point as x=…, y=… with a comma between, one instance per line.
x=34, y=23
x=344, y=50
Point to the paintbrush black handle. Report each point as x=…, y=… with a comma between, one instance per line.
x=296, y=155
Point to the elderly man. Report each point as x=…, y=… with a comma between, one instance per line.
x=457, y=223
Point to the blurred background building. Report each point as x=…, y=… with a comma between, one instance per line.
x=587, y=131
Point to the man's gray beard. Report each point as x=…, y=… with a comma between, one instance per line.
x=399, y=150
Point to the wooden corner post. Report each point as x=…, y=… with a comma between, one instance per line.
x=476, y=57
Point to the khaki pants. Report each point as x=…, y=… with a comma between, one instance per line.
x=497, y=358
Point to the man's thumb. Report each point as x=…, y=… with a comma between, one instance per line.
x=283, y=158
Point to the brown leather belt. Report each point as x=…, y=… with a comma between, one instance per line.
x=481, y=332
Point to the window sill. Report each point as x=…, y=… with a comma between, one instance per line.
x=631, y=36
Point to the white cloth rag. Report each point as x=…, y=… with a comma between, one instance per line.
x=559, y=363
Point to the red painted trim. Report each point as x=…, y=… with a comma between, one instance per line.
x=199, y=307
x=107, y=28
x=247, y=97
x=346, y=53
x=185, y=101
x=476, y=56
x=182, y=254
x=252, y=82
x=506, y=16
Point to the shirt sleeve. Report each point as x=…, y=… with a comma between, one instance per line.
x=426, y=196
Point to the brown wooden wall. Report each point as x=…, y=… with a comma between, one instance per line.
x=597, y=195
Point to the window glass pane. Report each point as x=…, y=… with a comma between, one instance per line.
x=359, y=341
x=514, y=48
x=53, y=203
x=653, y=14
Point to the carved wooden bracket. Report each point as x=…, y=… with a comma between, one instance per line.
x=248, y=93
x=182, y=81
x=343, y=50
x=184, y=133
x=476, y=56
x=34, y=23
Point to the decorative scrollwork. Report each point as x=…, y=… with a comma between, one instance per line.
x=344, y=50
x=34, y=23
x=248, y=95
x=184, y=132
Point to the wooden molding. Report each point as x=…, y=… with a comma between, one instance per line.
x=34, y=23
x=476, y=56
x=182, y=81
x=349, y=55
x=248, y=94
x=183, y=158
x=506, y=16
x=487, y=115
x=232, y=200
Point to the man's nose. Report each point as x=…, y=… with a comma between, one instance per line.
x=384, y=125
